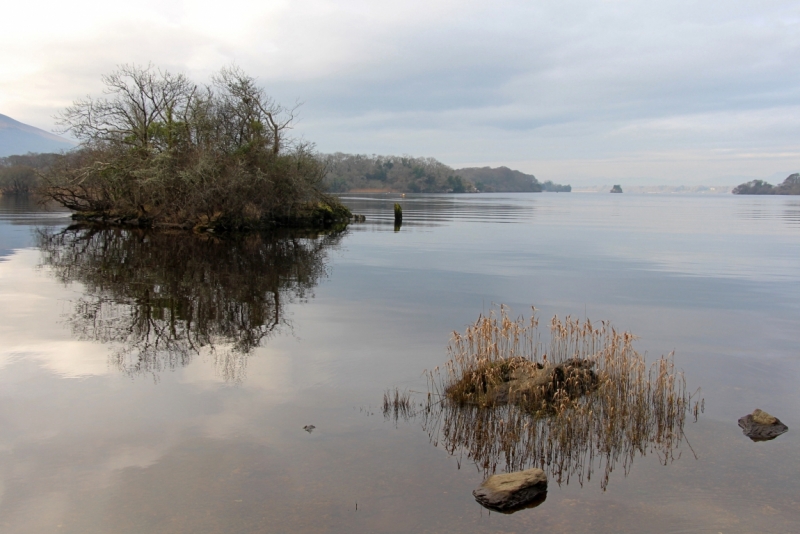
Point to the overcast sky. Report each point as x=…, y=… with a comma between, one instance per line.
x=581, y=92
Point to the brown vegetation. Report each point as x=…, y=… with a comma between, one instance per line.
x=607, y=406
x=160, y=150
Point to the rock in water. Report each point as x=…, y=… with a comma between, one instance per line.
x=761, y=426
x=511, y=491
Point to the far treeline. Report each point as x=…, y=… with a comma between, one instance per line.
x=20, y=174
x=406, y=174
x=790, y=186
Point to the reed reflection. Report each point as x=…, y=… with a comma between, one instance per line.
x=164, y=298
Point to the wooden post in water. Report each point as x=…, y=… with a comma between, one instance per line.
x=398, y=216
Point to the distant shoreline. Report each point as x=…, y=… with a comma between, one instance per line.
x=659, y=189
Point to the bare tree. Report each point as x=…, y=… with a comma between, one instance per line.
x=143, y=107
x=159, y=149
x=255, y=118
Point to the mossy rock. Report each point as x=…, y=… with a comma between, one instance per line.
x=761, y=426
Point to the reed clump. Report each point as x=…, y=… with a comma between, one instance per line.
x=605, y=406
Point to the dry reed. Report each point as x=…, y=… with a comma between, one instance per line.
x=631, y=410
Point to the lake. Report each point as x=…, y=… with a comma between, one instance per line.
x=162, y=382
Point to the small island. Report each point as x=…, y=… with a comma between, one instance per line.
x=790, y=186
x=616, y=189
x=161, y=151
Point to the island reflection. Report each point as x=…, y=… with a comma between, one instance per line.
x=164, y=298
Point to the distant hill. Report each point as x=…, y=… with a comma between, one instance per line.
x=500, y=180
x=18, y=138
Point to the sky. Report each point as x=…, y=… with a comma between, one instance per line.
x=575, y=91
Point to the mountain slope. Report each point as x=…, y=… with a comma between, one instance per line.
x=18, y=138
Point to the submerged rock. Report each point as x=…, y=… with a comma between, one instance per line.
x=761, y=426
x=510, y=492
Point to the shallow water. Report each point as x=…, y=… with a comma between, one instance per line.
x=131, y=401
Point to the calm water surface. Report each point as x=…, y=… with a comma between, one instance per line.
x=161, y=383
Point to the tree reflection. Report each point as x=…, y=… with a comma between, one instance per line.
x=163, y=298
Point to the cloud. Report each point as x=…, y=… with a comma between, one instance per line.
x=466, y=82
